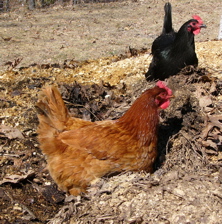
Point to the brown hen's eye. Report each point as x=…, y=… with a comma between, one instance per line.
x=163, y=94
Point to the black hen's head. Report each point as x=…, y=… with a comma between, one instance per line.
x=194, y=25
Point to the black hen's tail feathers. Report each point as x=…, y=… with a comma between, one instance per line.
x=160, y=43
x=167, y=24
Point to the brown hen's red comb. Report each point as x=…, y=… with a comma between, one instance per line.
x=162, y=85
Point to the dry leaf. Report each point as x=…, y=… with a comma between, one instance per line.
x=15, y=178
x=214, y=121
x=205, y=101
x=10, y=132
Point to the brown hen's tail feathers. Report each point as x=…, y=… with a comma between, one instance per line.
x=51, y=108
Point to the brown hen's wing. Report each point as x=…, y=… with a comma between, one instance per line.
x=95, y=139
x=109, y=142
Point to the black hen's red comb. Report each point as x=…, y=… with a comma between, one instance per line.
x=198, y=19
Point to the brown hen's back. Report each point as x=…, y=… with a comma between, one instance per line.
x=80, y=151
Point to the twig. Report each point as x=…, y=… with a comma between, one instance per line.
x=193, y=146
x=79, y=105
x=172, y=138
x=175, y=192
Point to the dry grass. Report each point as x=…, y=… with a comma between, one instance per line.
x=94, y=30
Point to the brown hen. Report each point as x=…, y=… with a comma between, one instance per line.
x=80, y=151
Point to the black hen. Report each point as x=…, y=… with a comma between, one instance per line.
x=173, y=51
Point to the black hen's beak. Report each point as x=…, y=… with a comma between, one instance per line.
x=203, y=26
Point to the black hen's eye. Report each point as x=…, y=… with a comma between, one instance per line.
x=194, y=24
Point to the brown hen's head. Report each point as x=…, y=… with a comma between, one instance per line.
x=163, y=99
x=195, y=25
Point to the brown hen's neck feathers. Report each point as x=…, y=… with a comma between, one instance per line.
x=142, y=118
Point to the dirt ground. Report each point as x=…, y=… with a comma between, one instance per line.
x=87, y=48
x=95, y=30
